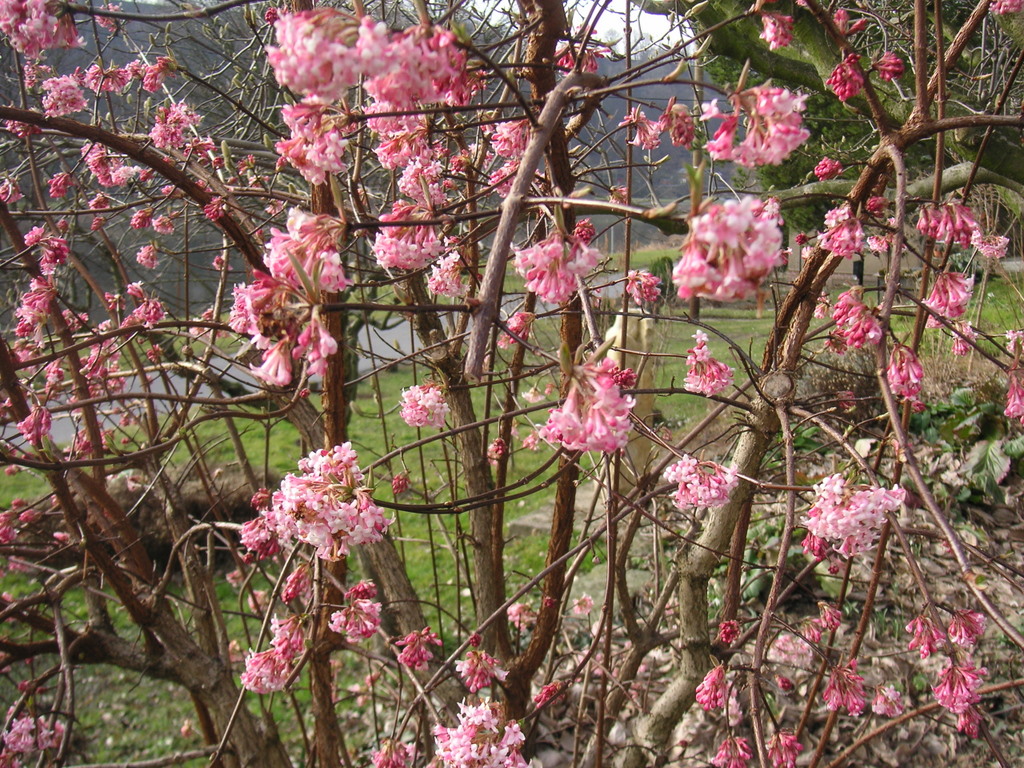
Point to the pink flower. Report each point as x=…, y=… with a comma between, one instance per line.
x=59, y=185
x=734, y=752
x=777, y=30
x=1014, y=397
x=416, y=651
x=827, y=168
x=990, y=246
x=905, y=373
x=171, y=124
x=423, y=405
x=845, y=689
x=730, y=249
x=676, y=119
x=712, y=690
x=963, y=338
x=359, y=620
x=889, y=67
x=519, y=324
x=700, y=483
x=479, y=669
x=317, y=145
x=35, y=427
x=595, y=414
x=958, y=684
x=728, y=631
x=37, y=25
x=400, y=483
x=1000, y=7
x=276, y=369
x=551, y=267
x=952, y=222
x=846, y=80
x=856, y=324
x=950, y=296
x=392, y=754
x=888, y=702
x=926, y=636
x=521, y=616
x=966, y=627
x=783, y=748
x=773, y=126
x=482, y=739
x=326, y=505
x=706, y=375
x=269, y=670
x=446, y=277
x=549, y=693
x=298, y=584
x=845, y=233
x=850, y=518
x=829, y=616
x=583, y=606
x=256, y=535
x=642, y=286
x=406, y=246
x=63, y=96
x=647, y=133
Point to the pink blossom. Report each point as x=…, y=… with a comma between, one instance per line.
x=256, y=535
x=712, y=690
x=317, y=145
x=1014, y=397
x=700, y=483
x=926, y=636
x=276, y=369
x=734, y=752
x=904, y=373
x=406, y=246
x=359, y=620
x=446, y=276
x=392, y=754
x=416, y=651
x=400, y=483
x=522, y=616
x=846, y=80
x=269, y=670
x=888, y=702
x=60, y=183
x=783, y=748
x=153, y=75
x=676, y=119
x=773, y=126
x=963, y=337
x=990, y=246
x=479, y=669
x=967, y=722
x=950, y=296
x=952, y=222
x=163, y=225
x=63, y=96
x=510, y=138
x=583, y=605
x=777, y=30
x=829, y=616
x=642, y=286
x=1000, y=7
x=496, y=450
x=298, y=584
x=889, y=67
x=850, y=518
x=705, y=374
x=551, y=267
x=730, y=249
x=423, y=405
x=958, y=684
x=482, y=739
x=171, y=124
x=856, y=324
x=845, y=689
x=9, y=191
x=595, y=414
x=519, y=324
x=827, y=168
x=549, y=693
x=35, y=427
x=326, y=505
x=109, y=170
x=728, y=631
x=37, y=25
x=647, y=132
x=966, y=627
x=845, y=233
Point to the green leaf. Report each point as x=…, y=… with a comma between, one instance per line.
x=1014, y=448
x=988, y=466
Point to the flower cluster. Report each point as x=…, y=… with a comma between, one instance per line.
x=888, y=702
x=734, y=752
x=482, y=739
x=317, y=144
x=777, y=30
x=845, y=689
x=950, y=296
x=551, y=267
x=35, y=26
x=416, y=653
x=423, y=405
x=705, y=374
x=845, y=233
x=26, y=735
x=479, y=669
x=856, y=324
x=958, y=685
x=730, y=249
x=783, y=748
x=302, y=264
x=850, y=518
x=774, y=127
x=269, y=670
x=712, y=690
x=642, y=286
x=360, y=618
x=326, y=505
x=595, y=414
x=905, y=374
x=846, y=80
x=952, y=222
x=519, y=324
x=700, y=483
